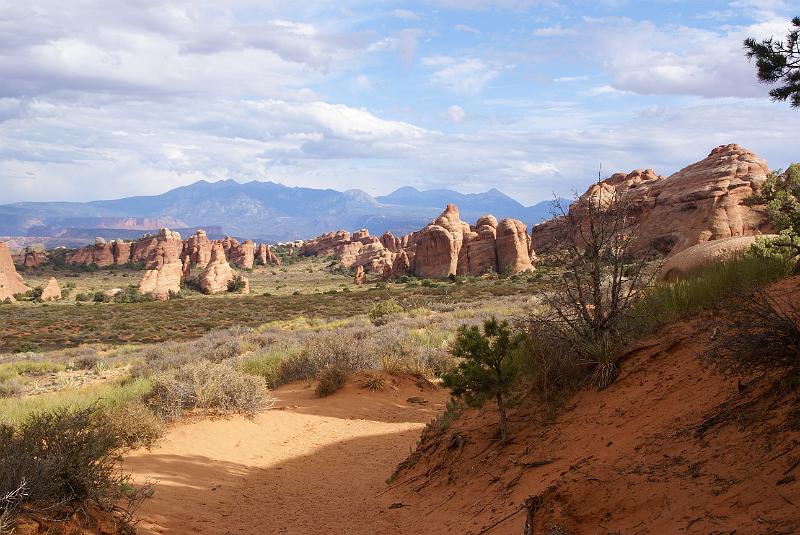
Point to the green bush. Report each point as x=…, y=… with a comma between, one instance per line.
x=378, y=313
x=488, y=369
x=237, y=285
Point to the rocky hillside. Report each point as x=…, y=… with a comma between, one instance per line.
x=673, y=446
x=257, y=210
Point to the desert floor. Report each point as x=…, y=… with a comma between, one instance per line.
x=307, y=465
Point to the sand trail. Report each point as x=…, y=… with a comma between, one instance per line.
x=308, y=465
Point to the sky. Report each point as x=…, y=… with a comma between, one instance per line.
x=110, y=98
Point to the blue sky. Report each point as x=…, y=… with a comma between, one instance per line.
x=118, y=98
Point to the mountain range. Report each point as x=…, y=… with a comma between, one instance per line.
x=265, y=211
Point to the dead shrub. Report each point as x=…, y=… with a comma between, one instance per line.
x=207, y=386
x=331, y=380
x=763, y=336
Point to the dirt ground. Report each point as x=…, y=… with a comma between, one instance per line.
x=308, y=465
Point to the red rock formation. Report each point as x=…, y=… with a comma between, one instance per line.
x=11, y=282
x=33, y=256
x=439, y=245
x=217, y=273
x=480, y=254
x=101, y=254
x=51, y=291
x=243, y=255
x=160, y=282
x=360, y=277
x=390, y=242
x=265, y=256
x=702, y=202
x=401, y=265
x=197, y=250
x=326, y=244
x=513, y=247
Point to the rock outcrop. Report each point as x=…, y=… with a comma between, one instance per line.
x=197, y=250
x=439, y=245
x=696, y=257
x=360, y=277
x=163, y=264
x=33, y=256
x=159, y=283
x=702, y=202
x=51, y=290
x=265, y=256
x=242, y=254
x=101, y=254
x=217, y=273
x=513, y=247
x=11, y=282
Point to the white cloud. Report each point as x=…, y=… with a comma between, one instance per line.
x=467, y=75
x=455, y=114
x=645, y=58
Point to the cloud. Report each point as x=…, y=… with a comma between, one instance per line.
x=468, y=75
x=455, y=114
x=650, y=59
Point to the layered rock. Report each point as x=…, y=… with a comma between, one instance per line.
x=702, y=202
x=11, y=282
x=702, y=255
x=326, y=244
x=51, y=290
x=243, y=254
x=164, y=268
x=197, y=250
x=217, y=273
x=101, y=254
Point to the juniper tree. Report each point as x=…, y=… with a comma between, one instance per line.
x=779, y=62
x=487, y=370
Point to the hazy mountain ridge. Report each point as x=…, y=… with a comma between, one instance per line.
x=260, y=210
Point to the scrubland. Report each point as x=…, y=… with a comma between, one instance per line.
x=128, y=371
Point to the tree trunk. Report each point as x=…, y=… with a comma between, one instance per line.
x=503, y=422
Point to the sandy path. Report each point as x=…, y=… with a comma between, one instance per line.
x=307, y=466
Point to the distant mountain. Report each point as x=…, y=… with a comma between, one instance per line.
x=258, y=210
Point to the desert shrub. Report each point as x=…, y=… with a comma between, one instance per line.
x=550, y=368
x=379, y=312
x=207, y=386
x=131, y=294
x=28, y=367
x=62, y=457
x=85, y=360
x=762, y=335
x=269, y=363
x=488, y=369
x=11, y=388
x=669, y=302
x=373, y=381
x=83, y=297
x=102, y=297
x=237, y=285
x=330, y=380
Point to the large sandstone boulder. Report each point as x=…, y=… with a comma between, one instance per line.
x=217, y=273
x=162, y=281
x=439, y=245
x=702, y=255
x=51, y=290
x=702, y=202
x=197, y=250
x=243, y=254
x=265, y=256
x=11, y=282
x=513, y=247
x=326, y=244
x=165, y=248
x=34, y=256
x=481, y=251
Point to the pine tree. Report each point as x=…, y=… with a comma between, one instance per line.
x=779, y=62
